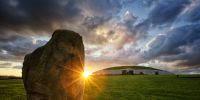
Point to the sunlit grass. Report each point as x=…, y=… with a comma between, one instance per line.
x=135, y=87
x=142, y=87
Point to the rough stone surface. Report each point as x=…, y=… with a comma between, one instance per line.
x=53, y=71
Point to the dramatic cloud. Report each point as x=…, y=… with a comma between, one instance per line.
x=10, y=64
x=37, y=14
x=166, y=11
x=5, y=65
x=16, y=46
x=192, y=11
x=160, y=33
x=169, y=47
x=101, y=8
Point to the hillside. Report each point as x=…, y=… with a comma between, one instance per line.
x=130, y=70
x=131, y=67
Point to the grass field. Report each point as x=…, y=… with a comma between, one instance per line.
x=137, y=87
x=12, y=89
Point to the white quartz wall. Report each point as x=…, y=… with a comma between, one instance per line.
x=136, y=71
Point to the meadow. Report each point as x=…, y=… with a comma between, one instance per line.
x=126, y=87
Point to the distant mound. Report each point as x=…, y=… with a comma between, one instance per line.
x=130, y=67
x=131, y=70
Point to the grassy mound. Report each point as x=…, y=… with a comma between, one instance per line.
x=131, y=67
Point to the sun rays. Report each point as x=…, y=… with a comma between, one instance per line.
x=86, y=74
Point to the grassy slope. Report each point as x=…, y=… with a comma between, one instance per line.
x=137, y=87
x=132, y=67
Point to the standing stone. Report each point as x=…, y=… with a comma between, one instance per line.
x=53, y=71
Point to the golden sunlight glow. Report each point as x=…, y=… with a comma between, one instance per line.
x=86, y=74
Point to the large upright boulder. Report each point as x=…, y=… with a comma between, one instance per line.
x=53, y=71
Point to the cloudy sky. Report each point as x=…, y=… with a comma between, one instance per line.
x=164, y=34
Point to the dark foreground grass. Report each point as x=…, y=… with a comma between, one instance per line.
x=137, y=87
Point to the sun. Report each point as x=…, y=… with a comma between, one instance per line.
x=86, y=74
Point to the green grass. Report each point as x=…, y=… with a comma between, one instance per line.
x=12, y=89
x=142, y=87
x=136, y=87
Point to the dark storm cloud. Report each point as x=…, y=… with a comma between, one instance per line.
x=194, y=15
x=16, y=46
x=19, y=18
x=6, y=36
x=188, y=57
x=181, y=44
x=44, y=14
x=36, y=14
x=165, y=12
